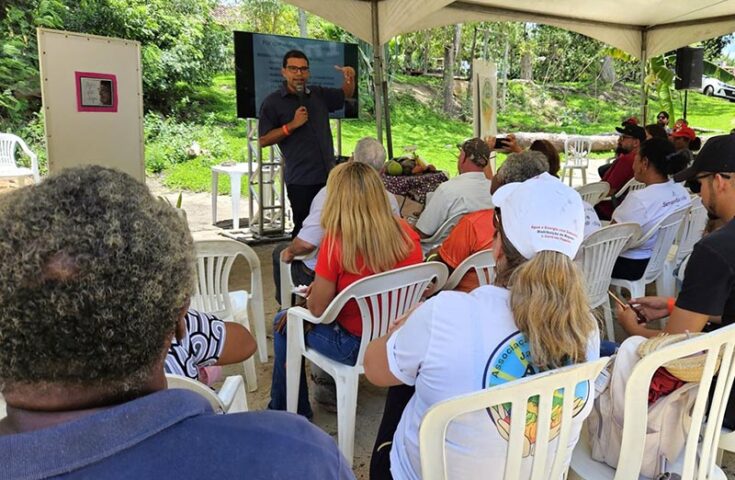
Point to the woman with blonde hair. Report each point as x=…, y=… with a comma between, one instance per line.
x=534, y=318
x=361, y=237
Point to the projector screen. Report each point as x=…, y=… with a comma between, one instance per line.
x=259, y=59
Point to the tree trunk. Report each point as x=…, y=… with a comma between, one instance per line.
x=506, y=69
x=303, y=29
x=526, y=66
x=486, y=44
x=456, y=44
x=448, y=79
x=425, y=49
x=469, y=71
x=607, y=74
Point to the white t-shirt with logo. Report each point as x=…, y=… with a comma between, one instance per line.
x=312, y=231
x=648, y=206
x=458, y=343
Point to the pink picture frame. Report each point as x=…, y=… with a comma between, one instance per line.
x=96, y=92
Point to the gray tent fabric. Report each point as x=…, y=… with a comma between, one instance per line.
x=642, y=28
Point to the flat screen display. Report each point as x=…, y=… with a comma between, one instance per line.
x=258, y=62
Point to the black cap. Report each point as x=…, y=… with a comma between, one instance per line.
x=717, y=155
x=631, y=130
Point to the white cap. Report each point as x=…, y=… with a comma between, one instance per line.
x=541, y=214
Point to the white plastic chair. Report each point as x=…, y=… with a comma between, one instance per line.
x=381, y=298
x=576, y=156
x=212, y=294
x=631, y=186
x=546, y=464
x=481, y=262
x=690, y=232
x=3, y=407
x=665, y=232
x=442, y=233
x=8, y=166
x=230, y=398
x=697, y=461
x=287, y=285
x=592, y=193
x=596, y=258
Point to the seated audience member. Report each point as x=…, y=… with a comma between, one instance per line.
x=592, y=221
x=685, y=140
x=360, y=239
x=368, y=151
x=654, y=130
x=620, y=171
x=648, y=206
x=537, y=308
x=662, y=120
x=707, y=298
x=467, y=192
x=475, y=231
x=204, y=341
x=96, y=279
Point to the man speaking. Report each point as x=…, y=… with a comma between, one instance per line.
x=296, y=117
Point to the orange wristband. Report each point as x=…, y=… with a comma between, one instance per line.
x=285, y=129
x=670, y=304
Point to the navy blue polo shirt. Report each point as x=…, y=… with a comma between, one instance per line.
x=309, y=150
x=174, y=434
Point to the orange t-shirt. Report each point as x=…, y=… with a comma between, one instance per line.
x=473, y=233
x=330, y=268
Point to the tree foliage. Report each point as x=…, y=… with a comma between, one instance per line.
x=181, y=45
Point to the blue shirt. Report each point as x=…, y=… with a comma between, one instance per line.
x=309, y=150
x=174, y=434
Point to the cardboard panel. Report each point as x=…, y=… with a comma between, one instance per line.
x=92, y=101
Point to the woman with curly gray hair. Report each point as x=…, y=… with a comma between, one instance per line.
x=95, y=279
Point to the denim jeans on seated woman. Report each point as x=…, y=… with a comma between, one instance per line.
x=330, y=340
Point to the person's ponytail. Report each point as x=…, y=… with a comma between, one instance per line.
x=549, y=305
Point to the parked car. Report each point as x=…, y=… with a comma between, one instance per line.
x=713, y=87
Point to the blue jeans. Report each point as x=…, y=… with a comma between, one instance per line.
x=330, y=340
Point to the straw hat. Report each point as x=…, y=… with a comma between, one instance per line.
x=687, y=369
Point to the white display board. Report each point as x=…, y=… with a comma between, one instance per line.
x=484, y=97
x=92, y=101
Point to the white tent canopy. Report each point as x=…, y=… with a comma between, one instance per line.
x=643, y=28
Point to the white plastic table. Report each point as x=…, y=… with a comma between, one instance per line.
x=235, y=172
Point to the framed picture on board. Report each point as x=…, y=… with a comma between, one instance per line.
x=96, y=92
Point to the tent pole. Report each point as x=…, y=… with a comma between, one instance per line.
x=644, y=90
x=377, y=71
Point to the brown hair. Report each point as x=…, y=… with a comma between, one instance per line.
x=548, y=149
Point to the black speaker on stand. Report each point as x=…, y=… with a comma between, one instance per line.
x=689, y=70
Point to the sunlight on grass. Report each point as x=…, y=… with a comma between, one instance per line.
x=584, y=109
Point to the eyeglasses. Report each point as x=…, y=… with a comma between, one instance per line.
x=661, y=117
x=695, y=184
x=295, y=69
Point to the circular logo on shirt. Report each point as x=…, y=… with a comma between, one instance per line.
x=510, y=361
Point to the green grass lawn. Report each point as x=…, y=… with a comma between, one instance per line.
x=570, y=108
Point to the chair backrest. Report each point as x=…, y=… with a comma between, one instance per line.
x=481, y=262
x=699, y=459
x=631, y=186
x=597, y=255
x=665, y=231
x=8, y=142
x=3, y=408
x=214, y=260
x=383, y=297
x=691, y=229
x=177, y=381
x=577, y=150
x=444, y=229
x=546, y=387
x=592, y=193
